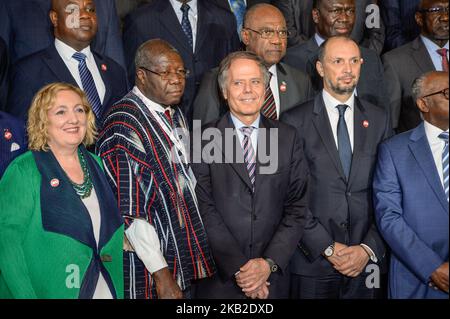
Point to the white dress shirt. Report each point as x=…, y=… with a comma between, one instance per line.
x=66, y=52
x=192, y=16
x=274, y=87
x=254, y=136
x=432, y=47
x=437, y=146
x=333, y=114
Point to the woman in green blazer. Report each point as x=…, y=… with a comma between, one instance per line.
x=61, y=234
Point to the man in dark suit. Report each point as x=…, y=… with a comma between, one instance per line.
x=301, y=25
x=252, y=199
x=333, y=18
x=13, y=139
x=27, y=29
x=203, y=36
x=411, y=197
x=4, y=63
x=406, y=63
x=398, y=17
x=70, y=60
x=288, y=86
x=340, y=134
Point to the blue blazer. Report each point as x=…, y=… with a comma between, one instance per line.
x=26, y=28
x=13, y=140
x=216, y=37
x=411, y=210
x=37, y=70
x=3, y=74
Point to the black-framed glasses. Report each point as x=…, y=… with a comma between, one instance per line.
x=165, y=75
x=439, y=10
x=444, y=92
x=270, y=33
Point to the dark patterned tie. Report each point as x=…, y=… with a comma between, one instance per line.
x=88, y=83
x=344, y=146
x=443, y=53
x=186, y=25
x=444, y=136
x=249, y=153
x=269, y=108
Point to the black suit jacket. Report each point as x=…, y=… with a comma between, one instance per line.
x=242, y=225
x=30, y=74
x=209, y=104
x=371, y=84
x=401, y=67
x=341, y=210
x=216, y=37
x=4, y=63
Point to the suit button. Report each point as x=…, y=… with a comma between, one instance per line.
x=349, y=194
x=344, y=225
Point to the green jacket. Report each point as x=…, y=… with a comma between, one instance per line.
x=47, y=246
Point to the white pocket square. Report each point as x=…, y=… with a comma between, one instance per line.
x=14, y=147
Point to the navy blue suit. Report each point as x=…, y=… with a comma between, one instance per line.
x=3, y=74
x=411, y=210
x=26, y=28
x=398, y=17
x=13, y=141
x=216, y=38
x=30, y=74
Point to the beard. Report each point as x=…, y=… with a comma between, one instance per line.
x=338, y=89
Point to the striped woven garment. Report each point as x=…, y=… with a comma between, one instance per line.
x=137, y=156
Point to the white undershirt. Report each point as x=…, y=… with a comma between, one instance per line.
x=66, y=52
x=274, y=87
x=102, y=290
x=437, y=146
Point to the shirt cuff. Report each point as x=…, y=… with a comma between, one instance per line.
x=142, y=236
x=373, y=257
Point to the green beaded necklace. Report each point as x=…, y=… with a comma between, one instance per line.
x=84, y=189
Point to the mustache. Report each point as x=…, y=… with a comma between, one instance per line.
x=347, y=76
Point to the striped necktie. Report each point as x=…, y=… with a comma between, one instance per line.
x=444, y=136
x=443, y=53
x=249, y=153
x=88, y=83
x=186, y=25
x=269, y=108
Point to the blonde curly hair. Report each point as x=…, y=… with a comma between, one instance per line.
x=37, y=126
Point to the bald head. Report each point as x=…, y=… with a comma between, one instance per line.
x=260, y=10
x=336, y=42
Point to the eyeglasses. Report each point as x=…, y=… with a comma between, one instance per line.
x=443, y=92
x=336, y=12
x=439, y=10
x=165, y=75
x=270, y=33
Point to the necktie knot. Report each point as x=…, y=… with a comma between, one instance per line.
x=444, y=136
x=185, y=8
x=342, y=108
x=247, y=130
x=442, y=52
x=80, y=57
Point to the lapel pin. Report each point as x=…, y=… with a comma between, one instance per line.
x=104, y=68
x=8, y=134
x=15, y=147
x=283, y=86
x=54, y=182
x=365, y=123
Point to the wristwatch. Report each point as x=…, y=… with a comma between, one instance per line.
x=272, y=265
x=329, y=251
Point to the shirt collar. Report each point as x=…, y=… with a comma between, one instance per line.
x=319, y=39
x=273, y=70
x=66, y=52
x=238, y=124
x=430, y=45
x=177, y=5
x=331, y=102
x=432, y=133
x=149, y=103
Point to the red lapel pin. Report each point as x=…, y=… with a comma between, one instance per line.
x=104, y=68
x=54, y=182
x=8, y=134
x=283, y=86
x=365, y=123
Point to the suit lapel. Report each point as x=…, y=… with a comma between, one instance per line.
x=202, y=25
x=56, y=64
x=102, y=67
x=421, y=55
x=284, y=94
x=169, y=21
x=224, y=125
x=323, y=127
x=422, y=153
x=359, y=138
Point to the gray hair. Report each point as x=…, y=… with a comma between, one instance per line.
x=149, y=50
x=417, y=86
x=225, y=66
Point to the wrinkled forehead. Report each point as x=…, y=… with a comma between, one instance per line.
x=168, y=59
